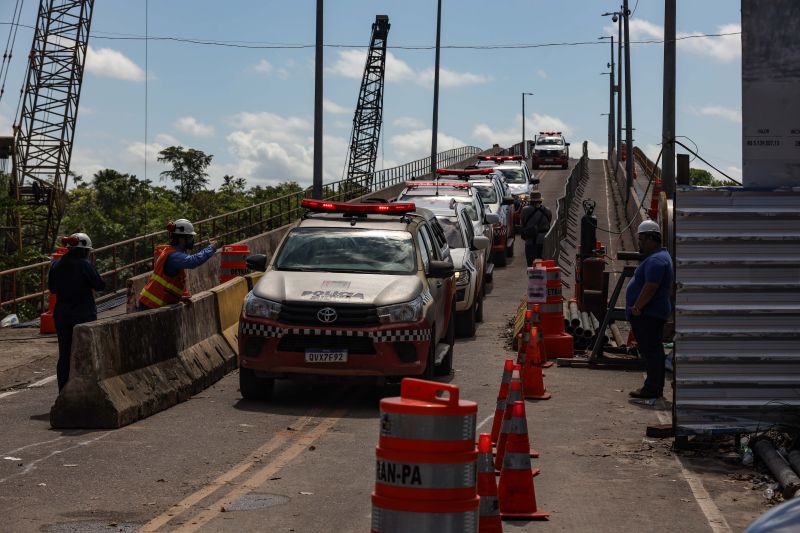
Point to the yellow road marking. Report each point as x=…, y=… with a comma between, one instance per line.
x=261, y=476
x=271, y=445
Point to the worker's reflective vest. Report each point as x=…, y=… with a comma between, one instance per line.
x=163, y=289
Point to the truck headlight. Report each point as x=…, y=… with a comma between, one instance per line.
x=260, y=307
x=462, y=277
x=404, y=312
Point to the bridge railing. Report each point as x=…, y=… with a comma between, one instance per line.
x=558, y=231
x=26, y=287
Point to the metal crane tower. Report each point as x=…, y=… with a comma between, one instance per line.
x=369, y=109
x=43, y=136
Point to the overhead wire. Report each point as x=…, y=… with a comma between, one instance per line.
x=259, y=45
x=9, y=50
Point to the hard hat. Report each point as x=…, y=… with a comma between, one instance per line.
x=536, y=196
x=77, y=240
x=649, y=226
x=181, y=227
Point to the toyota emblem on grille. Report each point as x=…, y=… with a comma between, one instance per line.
x=327, y=315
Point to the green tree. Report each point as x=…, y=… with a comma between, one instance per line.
x=704, y=178
x=188, y=169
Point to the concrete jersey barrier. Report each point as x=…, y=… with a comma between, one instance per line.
x=128, y=367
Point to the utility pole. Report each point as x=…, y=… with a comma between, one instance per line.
x=524, y=145
x=628, y=105
x=316, y=191
x=611, y=90
x=668, y=125
x=619, y=91
x=435, y=128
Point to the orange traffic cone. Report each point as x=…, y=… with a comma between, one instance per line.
x=532, y=377
x=489, y=519
x=514, y=395
x=500, y=410
x=516, y=490
x=535, y=322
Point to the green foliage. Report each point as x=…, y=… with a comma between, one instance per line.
x=188, y=169
x=703, y=178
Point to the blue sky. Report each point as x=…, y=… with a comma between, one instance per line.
x=252, y=108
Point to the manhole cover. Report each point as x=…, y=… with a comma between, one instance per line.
x=92, y=527
x=252, y=501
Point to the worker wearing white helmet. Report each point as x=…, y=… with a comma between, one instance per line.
x=649, y=306
x=72, y=279
x=168, y=284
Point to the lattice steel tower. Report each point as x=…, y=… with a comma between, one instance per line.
x=369, y=109
x=44, y=133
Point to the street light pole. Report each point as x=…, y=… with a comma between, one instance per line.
x=628, y=104
x=316, y=191
x=524, y=145
x=611, y=111
x=435, y=128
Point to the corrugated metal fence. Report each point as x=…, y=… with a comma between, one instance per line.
x=737, y=310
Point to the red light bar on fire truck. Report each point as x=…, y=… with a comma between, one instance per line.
x=324, y=206
x=464, y=172
x=412, y=184
x=499, y=158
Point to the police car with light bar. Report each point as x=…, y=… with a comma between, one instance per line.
x=521, y=181
x=353, y=290
x=550, y=148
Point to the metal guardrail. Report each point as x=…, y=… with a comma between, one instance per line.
x=121, y=260
x=558, y=231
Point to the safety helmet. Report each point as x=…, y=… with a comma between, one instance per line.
x=181, y=227
x=649, y=226
x=77, y=240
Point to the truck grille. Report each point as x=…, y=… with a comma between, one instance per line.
x=299, y=343
x=305, y=314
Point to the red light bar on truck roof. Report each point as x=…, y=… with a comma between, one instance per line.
x=499, y=158
x=437, y=184
x=549, y=133
x=324, y=206
x=464, y=172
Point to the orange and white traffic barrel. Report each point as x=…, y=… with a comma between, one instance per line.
x=233, y=261
x=557, y=342
x=426, y=478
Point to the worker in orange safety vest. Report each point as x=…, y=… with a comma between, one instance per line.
x=167, y=284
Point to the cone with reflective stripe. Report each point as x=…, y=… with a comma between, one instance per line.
x=514, y=395
x=489, y=519
x=535, y=322
x=532, y=376
x=500, y=410
x=516, y=491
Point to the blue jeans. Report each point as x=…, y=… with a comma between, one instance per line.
x=649, y=332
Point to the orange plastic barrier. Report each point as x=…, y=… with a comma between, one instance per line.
x=232, y=261
x=557, y=342
x=532, y=375
x=46, y=322
x=426, y=476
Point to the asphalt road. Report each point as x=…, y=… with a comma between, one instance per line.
x=305, y=460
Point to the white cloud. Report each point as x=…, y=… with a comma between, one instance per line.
x=191, y=126
x=417, y=144
x=350, y=64
x=487, y=136
x=595, y=150
x=329, y=106
x=408, y=122
x=725, y=48
x=135, y=151
x=450, y=78
x=85, y=163
x=269, y=148
x=262, y=67
x=542, y=74
x=725, y=113
x=110, y=63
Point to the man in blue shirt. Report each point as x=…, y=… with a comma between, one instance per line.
x=73, y=279
x=649, y=306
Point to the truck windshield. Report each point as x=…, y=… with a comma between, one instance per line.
x=550, y=142
x=347, y=250
x=452, y=231
x=487, y=193
x=513, y=175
